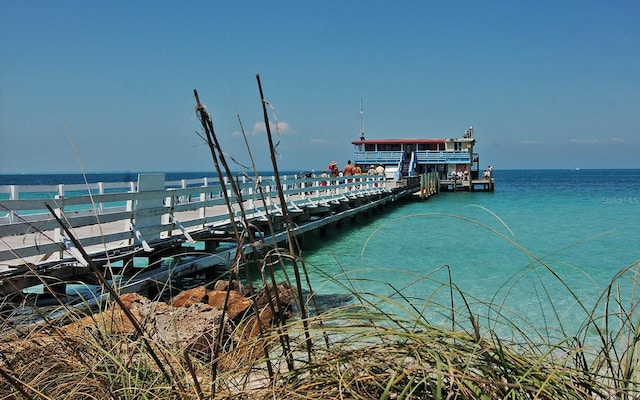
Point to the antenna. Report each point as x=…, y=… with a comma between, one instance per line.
x=361, y=113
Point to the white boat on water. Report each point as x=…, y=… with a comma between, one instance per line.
x=411, y=157
x=454, y=159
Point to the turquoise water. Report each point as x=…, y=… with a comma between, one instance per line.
x=537, y=252
x=519, y=247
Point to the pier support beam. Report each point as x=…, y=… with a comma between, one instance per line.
x=127, y=265
x=210, y=246
x=56, y=288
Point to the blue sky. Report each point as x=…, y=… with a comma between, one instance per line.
x=108, y=86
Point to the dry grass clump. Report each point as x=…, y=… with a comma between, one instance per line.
x=351, y=358
x=374, y=361
x=50, y=364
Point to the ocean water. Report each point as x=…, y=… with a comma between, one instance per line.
x=537, y=253
x=130, y=176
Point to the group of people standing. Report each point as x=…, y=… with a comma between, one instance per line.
x=460, y=175
x=488, y=172
x=349, y=170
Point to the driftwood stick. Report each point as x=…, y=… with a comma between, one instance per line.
x=288, y=221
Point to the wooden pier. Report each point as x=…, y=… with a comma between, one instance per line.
x=470, y=185
x=149, y=231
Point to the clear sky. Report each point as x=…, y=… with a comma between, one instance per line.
x=108, y=85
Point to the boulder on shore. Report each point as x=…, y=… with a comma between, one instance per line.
x=236, y=303
x=191, y=319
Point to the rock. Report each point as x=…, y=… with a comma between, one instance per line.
x=222, y=285
x=200, y=295
x=236, y=305
x=192, y=319
x=189, y=297
x=284, y=295
x=194, y=328
x=250, y=326
x=113, y=321
x=133, y=300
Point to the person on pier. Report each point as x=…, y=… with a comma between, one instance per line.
x=348, y=172
x=333, y=169
x=348, y=169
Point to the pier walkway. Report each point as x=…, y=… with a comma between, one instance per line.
x=472, y=185
x=167, y=229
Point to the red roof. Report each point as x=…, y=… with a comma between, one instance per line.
x=399, y=141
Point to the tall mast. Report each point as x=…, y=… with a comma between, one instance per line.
x=361, y=113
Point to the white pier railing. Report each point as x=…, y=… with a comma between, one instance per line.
x=111, y=215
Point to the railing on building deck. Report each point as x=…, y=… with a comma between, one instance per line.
x=421, y=157
x=443, y=157
x=374, y=157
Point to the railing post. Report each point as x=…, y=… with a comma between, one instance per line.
x=100, y=191
x=149, y=223
x=13, y=195
x=59, y=210
x=169, y=203
x=250, y=189
x=202, y=211
x=183, y=185
x=225, y=179
x=284, y=186
x=129, y=208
